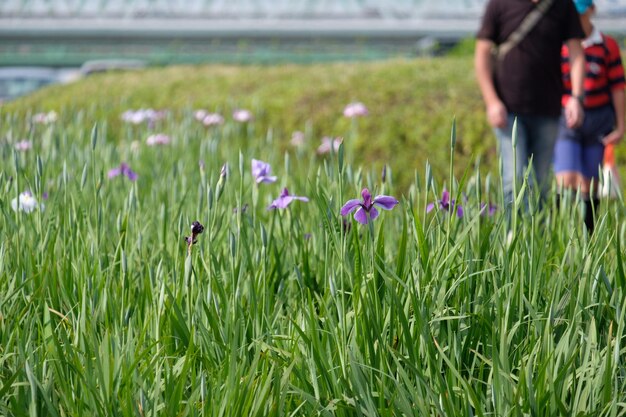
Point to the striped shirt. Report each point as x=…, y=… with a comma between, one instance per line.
x=604, y=71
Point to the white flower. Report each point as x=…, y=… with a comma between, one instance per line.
x=158, y=139
x=25, y=202
x=134, y=117
x=242, y=115
x=200, y=114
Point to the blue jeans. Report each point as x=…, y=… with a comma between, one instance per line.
x=536, y=136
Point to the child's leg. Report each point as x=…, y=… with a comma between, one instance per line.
x=593, y=154
x=568, y=158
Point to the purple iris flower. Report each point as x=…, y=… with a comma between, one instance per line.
x=367, y=211
x=284, y=200
x=488, y=209
x=123, y=169
x=446, y=204
x=261, y=172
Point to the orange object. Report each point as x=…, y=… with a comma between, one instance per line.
x=609, y=155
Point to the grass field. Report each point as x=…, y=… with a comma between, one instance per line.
x=105, y=310
x=411, y=102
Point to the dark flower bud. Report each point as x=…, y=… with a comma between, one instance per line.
x=196, y=228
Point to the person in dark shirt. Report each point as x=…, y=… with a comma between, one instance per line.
x=527, y=83
x=579, y=151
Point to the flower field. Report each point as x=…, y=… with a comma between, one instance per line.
x=192, y=267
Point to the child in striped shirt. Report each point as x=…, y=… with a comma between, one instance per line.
x=579, y=152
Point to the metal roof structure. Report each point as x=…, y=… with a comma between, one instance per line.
x=258, y=9
x=69, y=32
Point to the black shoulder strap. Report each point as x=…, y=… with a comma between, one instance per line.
x=529, y=22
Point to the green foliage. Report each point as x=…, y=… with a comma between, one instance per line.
x=295, y=312
x=464, y=48
x=411, y=104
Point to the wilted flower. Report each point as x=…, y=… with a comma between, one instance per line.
x=23, y=145
x=45, y=118
x=224, y=171
x=213, y=119
x=284, y=200
x=261, y=172
x=328, y=144
x=356, y=109
x=297, y=138
x=219, y=187
x=367, y=211
x=242, y=115
x=196, y=229
x=123, y=169
x=26, y=202
x=446, y=204
x=158, y=139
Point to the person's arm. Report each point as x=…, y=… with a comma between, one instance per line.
x=496, y=111
x=574, y=109
x=619, y=100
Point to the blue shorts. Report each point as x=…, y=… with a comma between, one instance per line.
x=581, y=150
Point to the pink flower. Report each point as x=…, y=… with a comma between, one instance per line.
x=45, y=118
x=23, y=145
x=213, y=119
x=137, y=117
x=158, y=139
x=242, y=115
x=200, y=114
x=356, y=109
x=328, y=144
x=297, y=139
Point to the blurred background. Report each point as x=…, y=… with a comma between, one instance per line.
x=52, y=41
